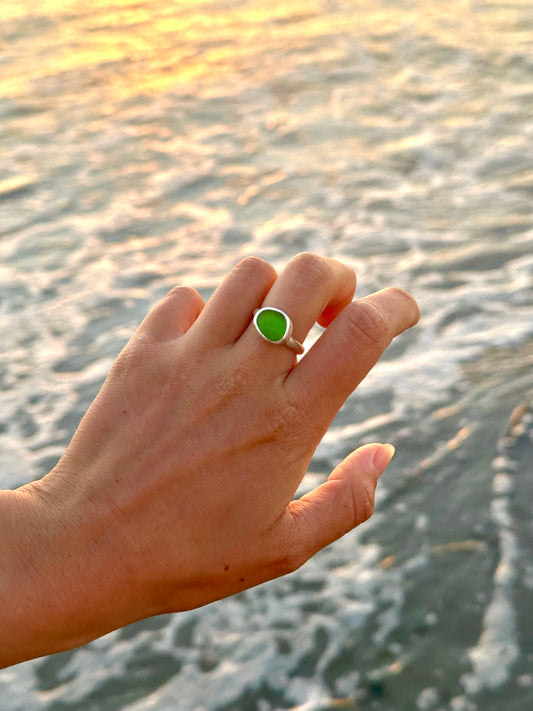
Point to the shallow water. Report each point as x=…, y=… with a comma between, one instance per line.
x=149, y=143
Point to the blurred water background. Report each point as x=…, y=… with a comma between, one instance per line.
x=148, y=143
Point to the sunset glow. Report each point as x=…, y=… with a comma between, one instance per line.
x=158, y=44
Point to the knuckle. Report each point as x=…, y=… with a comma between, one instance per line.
x=365, y=504
x=129, y=362
x=309, y=268
x=179, y=291
x=184, y=293
x=293, y=558
x=403, y=305
x=399, y=294
x=255, y=267
x=368, y=325
x=400, y=298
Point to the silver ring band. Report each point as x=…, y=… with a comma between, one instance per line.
x=275, y=326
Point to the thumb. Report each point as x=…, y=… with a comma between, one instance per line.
x=344, y=501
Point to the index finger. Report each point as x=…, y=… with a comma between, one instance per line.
x=348, y=349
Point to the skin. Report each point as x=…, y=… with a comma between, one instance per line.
x=177, y=488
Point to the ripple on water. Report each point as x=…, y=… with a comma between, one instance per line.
x=155, y=143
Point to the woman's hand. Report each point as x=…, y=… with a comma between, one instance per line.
x=177, y=487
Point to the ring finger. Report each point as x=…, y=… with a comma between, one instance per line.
x=309, y=289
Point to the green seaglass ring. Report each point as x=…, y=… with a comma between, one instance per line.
x=276, y=327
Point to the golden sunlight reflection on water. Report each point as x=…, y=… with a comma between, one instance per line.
x=148, y=47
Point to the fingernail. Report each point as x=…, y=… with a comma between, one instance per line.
x=383, y=456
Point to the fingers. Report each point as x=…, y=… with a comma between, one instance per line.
x=344, y=501
x=173, y=315
x=229, y=311
x=348, y=350
x=310, y=289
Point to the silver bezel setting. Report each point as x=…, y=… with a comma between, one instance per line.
x=287, y=339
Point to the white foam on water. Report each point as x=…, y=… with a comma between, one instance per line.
x=497, y=649
x=461, y=703
x=427, y=699
x=17, y=687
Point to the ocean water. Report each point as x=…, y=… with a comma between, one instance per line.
x=145, y=144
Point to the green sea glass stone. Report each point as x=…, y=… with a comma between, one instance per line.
x=272, y=324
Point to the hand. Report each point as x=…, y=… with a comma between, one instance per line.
x=177, y=488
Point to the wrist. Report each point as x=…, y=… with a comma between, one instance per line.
x=24, y=602
x=63, y=581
